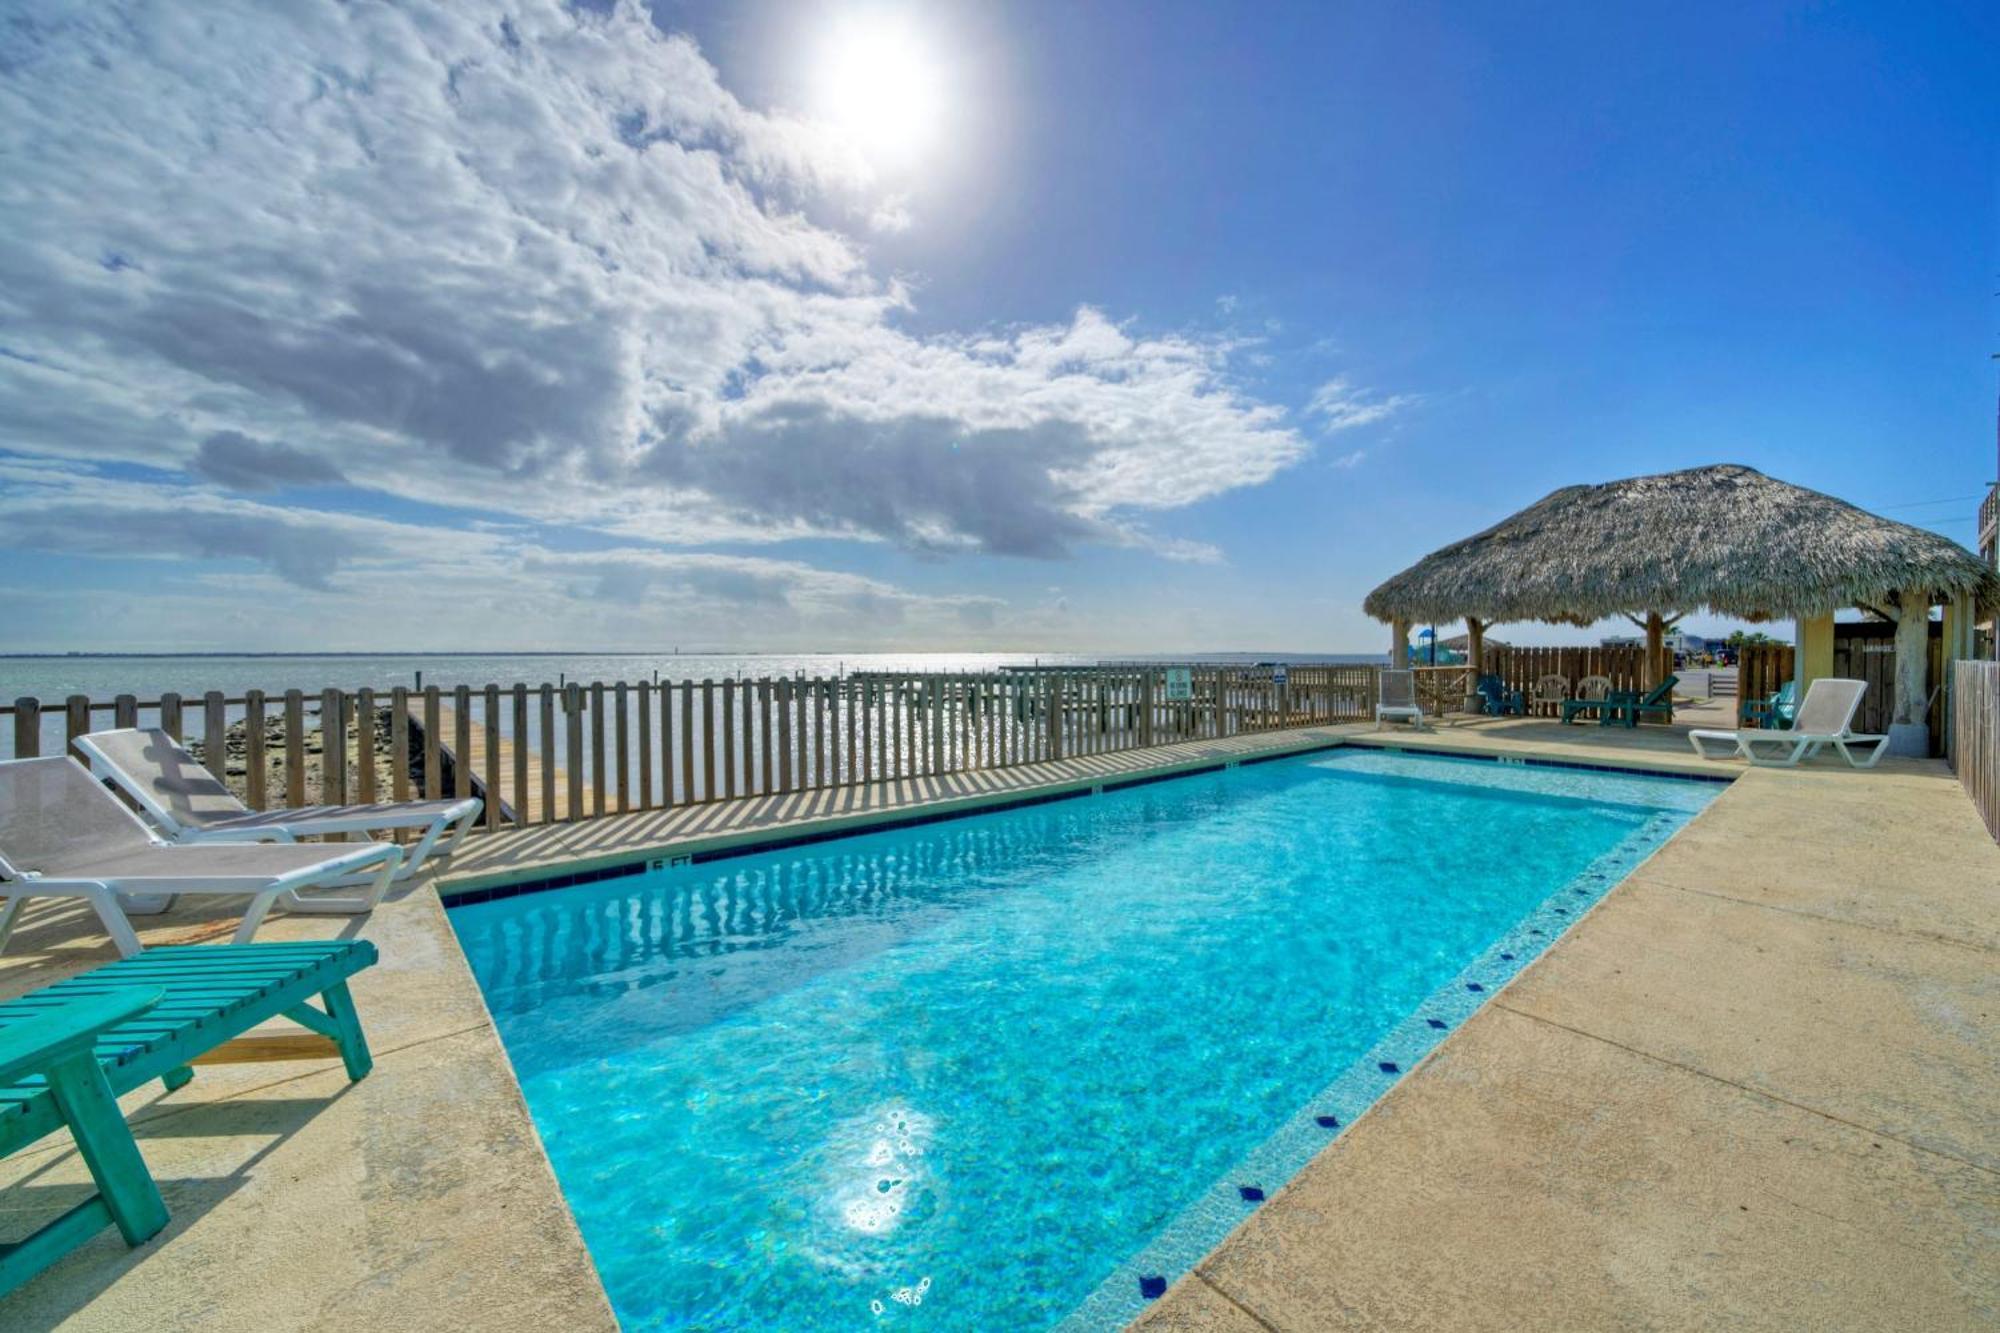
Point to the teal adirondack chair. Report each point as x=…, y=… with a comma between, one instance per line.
x=1658, y=701
x=70, y=1050
x=1777, y=711
x=1498, y=700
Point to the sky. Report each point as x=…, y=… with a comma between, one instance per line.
x=788, y=325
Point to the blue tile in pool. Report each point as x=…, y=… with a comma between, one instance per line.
x=977, y=1062
x=1250, y=1193
x=1152, y=1287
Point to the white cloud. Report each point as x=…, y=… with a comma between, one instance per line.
x=359, y=580
x=534, y=260
x=1340, y=406
x=891, y=215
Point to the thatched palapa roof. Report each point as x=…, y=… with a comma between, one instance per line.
x=1726, y=538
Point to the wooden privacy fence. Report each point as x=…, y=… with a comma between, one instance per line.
x=1520, y=668
x=1975, y=736
x=1862, y=650
x=1867, y=651
x=1761, y=670
x=546, y=753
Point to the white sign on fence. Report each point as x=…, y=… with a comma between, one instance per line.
x=1278, y=674
x=1180, y=684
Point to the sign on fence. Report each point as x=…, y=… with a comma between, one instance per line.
x=1180, y=684
x=1278, y=674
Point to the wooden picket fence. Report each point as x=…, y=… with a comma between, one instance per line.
x=548, y=753
x=1975, y=736
x=1520, y=668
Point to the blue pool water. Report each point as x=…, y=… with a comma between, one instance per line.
x=1021, y=1068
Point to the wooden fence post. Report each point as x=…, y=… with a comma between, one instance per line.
x=295, y=746
x=433, y=744
x=728, y=739
x=215, y=735
x=645, y=745
x=256, y=771
x=364, y=746
x=622, y=747
x=545, y=706
x=461, y=741
x=333, y=747
x=76, y=718
x=573, y=749
x=27, y=728
x=489, y=718
x=399, y=743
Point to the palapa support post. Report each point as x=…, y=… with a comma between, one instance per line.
x=1909, y=723
x=1813, y=659
x=1475, y=663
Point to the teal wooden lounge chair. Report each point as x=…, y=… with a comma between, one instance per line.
x=1629, y=709
x=1591, y=694
x=70, y=1050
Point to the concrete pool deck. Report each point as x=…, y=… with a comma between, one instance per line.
x=1754, y=1088
x=1672, y=1118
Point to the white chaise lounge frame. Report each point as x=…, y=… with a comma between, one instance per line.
x=1399, y=699
x=63, y=834
x=190, y=804
x=1824, y=718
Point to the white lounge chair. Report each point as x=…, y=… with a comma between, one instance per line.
x=1823, y=719
x=190, y=804
x=63, y=834
x=1399, y=699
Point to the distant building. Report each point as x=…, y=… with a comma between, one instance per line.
x=1679, y=642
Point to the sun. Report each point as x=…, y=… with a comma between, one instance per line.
x=881, y=84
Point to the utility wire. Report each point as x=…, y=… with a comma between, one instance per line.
x=1947, y=500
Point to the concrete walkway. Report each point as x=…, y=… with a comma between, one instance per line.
x=1734, y=1029
x=1754, y=1089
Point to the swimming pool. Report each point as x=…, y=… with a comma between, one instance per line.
x=1024, y=1067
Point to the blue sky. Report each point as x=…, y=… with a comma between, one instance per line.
x=1112, y=326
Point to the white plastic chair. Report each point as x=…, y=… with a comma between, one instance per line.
x=1399, y=699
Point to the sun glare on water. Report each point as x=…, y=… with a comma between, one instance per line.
x=880, y=81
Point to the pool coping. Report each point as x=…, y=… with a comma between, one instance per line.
x=458, y=887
